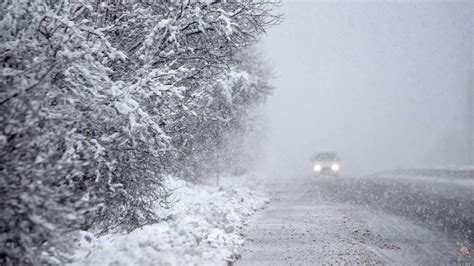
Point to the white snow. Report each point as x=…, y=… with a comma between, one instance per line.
x=203, y=228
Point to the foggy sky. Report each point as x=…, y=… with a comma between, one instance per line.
x=386, y=85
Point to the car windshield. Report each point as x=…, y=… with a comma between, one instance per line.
x=325, y=156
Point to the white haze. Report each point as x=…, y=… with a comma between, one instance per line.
x=386, y=85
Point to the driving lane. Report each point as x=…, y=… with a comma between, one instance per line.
x=305, y=223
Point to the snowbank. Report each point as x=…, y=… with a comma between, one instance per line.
x=203, y=228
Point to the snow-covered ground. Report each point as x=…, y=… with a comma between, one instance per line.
x=204, y=228
x=444, y=203
x=303, y=226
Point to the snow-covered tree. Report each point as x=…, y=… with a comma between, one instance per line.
x=224, y=115
x=100, y=99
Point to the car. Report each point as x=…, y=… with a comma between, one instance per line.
x=326, y=163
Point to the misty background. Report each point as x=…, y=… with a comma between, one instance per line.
x=386, y=85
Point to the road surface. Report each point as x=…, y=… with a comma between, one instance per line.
x=325, y=221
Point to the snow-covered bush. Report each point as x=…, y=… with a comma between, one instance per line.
x=100, y=99
x=224, y=118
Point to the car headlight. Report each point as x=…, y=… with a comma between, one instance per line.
x=317, y=168
x=335, y=167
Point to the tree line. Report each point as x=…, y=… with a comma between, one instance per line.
x=102, y=100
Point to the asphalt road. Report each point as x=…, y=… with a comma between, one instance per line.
x=371, y=220
x=438, y=199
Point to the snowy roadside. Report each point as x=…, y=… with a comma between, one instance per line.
x=204, y=228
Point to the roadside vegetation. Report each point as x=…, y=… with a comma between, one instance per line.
x=102, y=101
